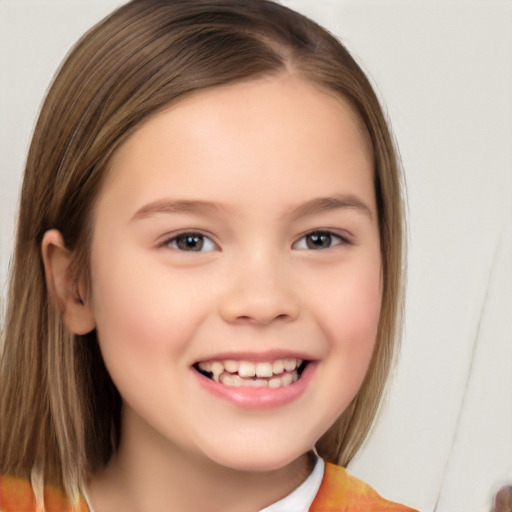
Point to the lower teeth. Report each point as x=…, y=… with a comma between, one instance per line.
x=234, y=380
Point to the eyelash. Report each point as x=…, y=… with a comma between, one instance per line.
x=173, y=241
x=315, y=236
x=319, y=234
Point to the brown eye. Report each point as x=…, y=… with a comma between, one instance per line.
x=188, y=242
x=318, y=240
x=191, y=242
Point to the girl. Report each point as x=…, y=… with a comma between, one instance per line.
x=206, y=285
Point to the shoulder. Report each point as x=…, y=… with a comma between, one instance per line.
x=341, y=492
x=16, y=495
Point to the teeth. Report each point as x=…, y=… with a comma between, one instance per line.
x=246, y=369
x=204, y=366
x=274, y=383
x=264, y=370
x=255, y=383
x=231, y=380
x=230, y=372
x=231, y=366
x=216, y=368
x=287, y=379
x=290, y=364
x=278, y=367
x=225, y=378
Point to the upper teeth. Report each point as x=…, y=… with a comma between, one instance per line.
x=251, y=369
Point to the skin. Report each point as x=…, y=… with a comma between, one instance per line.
x=260, y=151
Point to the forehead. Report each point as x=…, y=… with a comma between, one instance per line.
x=279, y=129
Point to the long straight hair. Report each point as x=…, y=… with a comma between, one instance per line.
x=59, y=410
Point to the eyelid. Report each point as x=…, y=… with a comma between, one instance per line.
x=172, y=237
x=344, y=238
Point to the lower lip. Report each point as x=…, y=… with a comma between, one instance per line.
x=259, y=398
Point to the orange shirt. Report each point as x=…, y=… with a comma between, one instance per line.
x=342, y=492
x=339, y=492
x=16, y=495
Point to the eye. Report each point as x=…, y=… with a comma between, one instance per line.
x=318, y=240
x=191, y=242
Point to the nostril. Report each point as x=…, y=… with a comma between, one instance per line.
x=263, y=319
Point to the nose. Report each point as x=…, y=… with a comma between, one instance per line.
x=259, y=291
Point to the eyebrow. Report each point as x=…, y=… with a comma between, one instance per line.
x=169, y=206
x=336, y=202
x=312, y=207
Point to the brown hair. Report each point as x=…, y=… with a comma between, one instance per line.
x=60, y=410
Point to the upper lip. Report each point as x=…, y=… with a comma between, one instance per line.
x=271, y=355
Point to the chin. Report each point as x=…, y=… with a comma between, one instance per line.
x=258, y=459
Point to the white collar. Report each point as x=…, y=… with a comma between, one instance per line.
x=301, y=498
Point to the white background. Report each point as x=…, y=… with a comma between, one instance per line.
x=444, y=69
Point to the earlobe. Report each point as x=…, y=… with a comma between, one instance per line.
x=64, y=291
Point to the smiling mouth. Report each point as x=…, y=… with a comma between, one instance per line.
x=273, y=374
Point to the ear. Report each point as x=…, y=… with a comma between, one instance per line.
x=68, y=295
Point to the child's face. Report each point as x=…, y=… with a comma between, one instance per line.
x=240, y=225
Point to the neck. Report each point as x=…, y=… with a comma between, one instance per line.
x=151, y=473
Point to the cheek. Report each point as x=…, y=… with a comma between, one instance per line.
x=350, y=304
x=348, y=312
x=351, y=316
x=140, y=315
x=359, y=311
